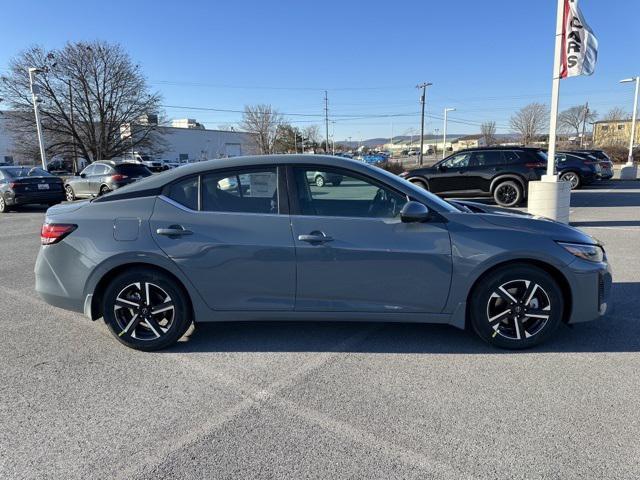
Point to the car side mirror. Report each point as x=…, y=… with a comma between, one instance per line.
x=414, y=212
x=442, y=168
x=83, y=175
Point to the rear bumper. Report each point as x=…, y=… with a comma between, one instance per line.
x=29, y=198
x=591, y=291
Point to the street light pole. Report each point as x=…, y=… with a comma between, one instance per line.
x=444, y=135
x=423, y=99
x=630, y=162
x=34, y=98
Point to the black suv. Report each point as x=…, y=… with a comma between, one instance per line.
x=501, y=172
x=103, y=176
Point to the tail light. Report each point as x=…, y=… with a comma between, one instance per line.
x=117, y=177
x=54, y=232
x=15, y=184
x=591, y=162
x=535, y=165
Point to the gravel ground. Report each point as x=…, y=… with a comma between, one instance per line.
x=321, y=400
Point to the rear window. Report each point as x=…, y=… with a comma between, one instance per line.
x=132, y=169
x=26, y=172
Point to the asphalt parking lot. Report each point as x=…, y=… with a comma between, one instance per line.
x=321, y=400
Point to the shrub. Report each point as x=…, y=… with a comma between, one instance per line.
x=390, y=166
x=619, y=153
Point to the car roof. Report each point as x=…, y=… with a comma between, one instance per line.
x=168, y=176
x=501, y=147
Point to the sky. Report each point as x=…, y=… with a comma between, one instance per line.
x=485, y=58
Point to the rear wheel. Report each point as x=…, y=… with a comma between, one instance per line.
x=336, y=183
x=146, y=310
x=103, y=190
x=573, y=178
x=69, y=194
x=420, y=183
x=517, y=306
x=508, y=193
x=3, y=205
x=319, y=181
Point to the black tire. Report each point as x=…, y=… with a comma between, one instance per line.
x=128, y=312
x=420, y=183
x=573, y=178
x=336, y=183
x=319, y=180
x=103, y=190
x=506, y=324
x=508, y=193
x=4, y=208
x=69, y=193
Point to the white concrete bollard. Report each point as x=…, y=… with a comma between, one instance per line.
x=550, y=199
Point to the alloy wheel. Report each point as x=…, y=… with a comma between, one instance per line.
x=144, y=311
x=572, y=178
x=3, y=205
x=69, y=194
x=319, y=181
x=507, y=194
x=518, y=309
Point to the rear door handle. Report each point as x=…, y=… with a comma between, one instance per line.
x=174, y=231
x=315, y=237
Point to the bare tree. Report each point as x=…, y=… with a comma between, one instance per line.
x=113, y=109
x=262, y=121
x=488, y=132
x=530, y=121
x=312, y=135
x=617, y=113
x=573, y=119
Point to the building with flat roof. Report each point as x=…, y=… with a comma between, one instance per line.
x=614, y=132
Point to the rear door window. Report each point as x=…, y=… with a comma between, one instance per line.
x=511, y=157
x=244, y=191
x=487, y=159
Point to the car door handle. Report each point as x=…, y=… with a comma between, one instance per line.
x=315, y=237
x=174, y=231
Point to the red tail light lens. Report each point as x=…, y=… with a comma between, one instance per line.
x=535, y=165
x=54, y=232
x=117, y=177
x=591, y=162
x=15, y=184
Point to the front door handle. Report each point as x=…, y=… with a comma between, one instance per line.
x=315, y=237
x=174, y=231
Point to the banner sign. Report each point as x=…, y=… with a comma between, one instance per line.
x=579, y=44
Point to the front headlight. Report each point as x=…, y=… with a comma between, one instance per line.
x=591, y=253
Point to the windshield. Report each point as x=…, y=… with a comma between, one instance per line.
x=27, y=172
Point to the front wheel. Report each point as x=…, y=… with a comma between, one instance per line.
x=145, y=309
x=69, y=194
x=516, y=307
x=508, y=193
x=3, y=205
x=319, y=181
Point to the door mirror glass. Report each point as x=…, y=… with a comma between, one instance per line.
x=83, y=175
x=413, y=212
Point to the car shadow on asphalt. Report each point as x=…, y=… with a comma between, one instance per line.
x=616, y=332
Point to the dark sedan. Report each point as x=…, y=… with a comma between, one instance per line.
x=102, y=177
x=606, y=165
x=28, y=185
x=577, y=168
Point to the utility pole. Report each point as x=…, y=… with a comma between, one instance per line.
x=73, y=131
x=584, y=123
x=326, y=120
x=35, y=89
x=423, y=98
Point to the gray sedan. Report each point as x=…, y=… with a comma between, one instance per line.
x=251, y=238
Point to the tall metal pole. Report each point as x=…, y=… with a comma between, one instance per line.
x=326, y=120
x=633, y=122
x=584, y=123
x=444, y=131
x=423, y=98
x=555, y=94
x=34, y=99
x=73, y=131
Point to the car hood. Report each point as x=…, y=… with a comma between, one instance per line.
x=515, y=220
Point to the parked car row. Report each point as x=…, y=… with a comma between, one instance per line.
x=505, y=172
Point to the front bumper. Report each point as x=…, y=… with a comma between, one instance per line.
x=591, y=291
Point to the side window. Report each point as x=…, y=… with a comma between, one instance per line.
x=460, y=160
x=340, y=193
x=487, y=159
x=511, y=157
x=244, y=191
x=185, y=192
x=89, y=170
x=561, y=157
